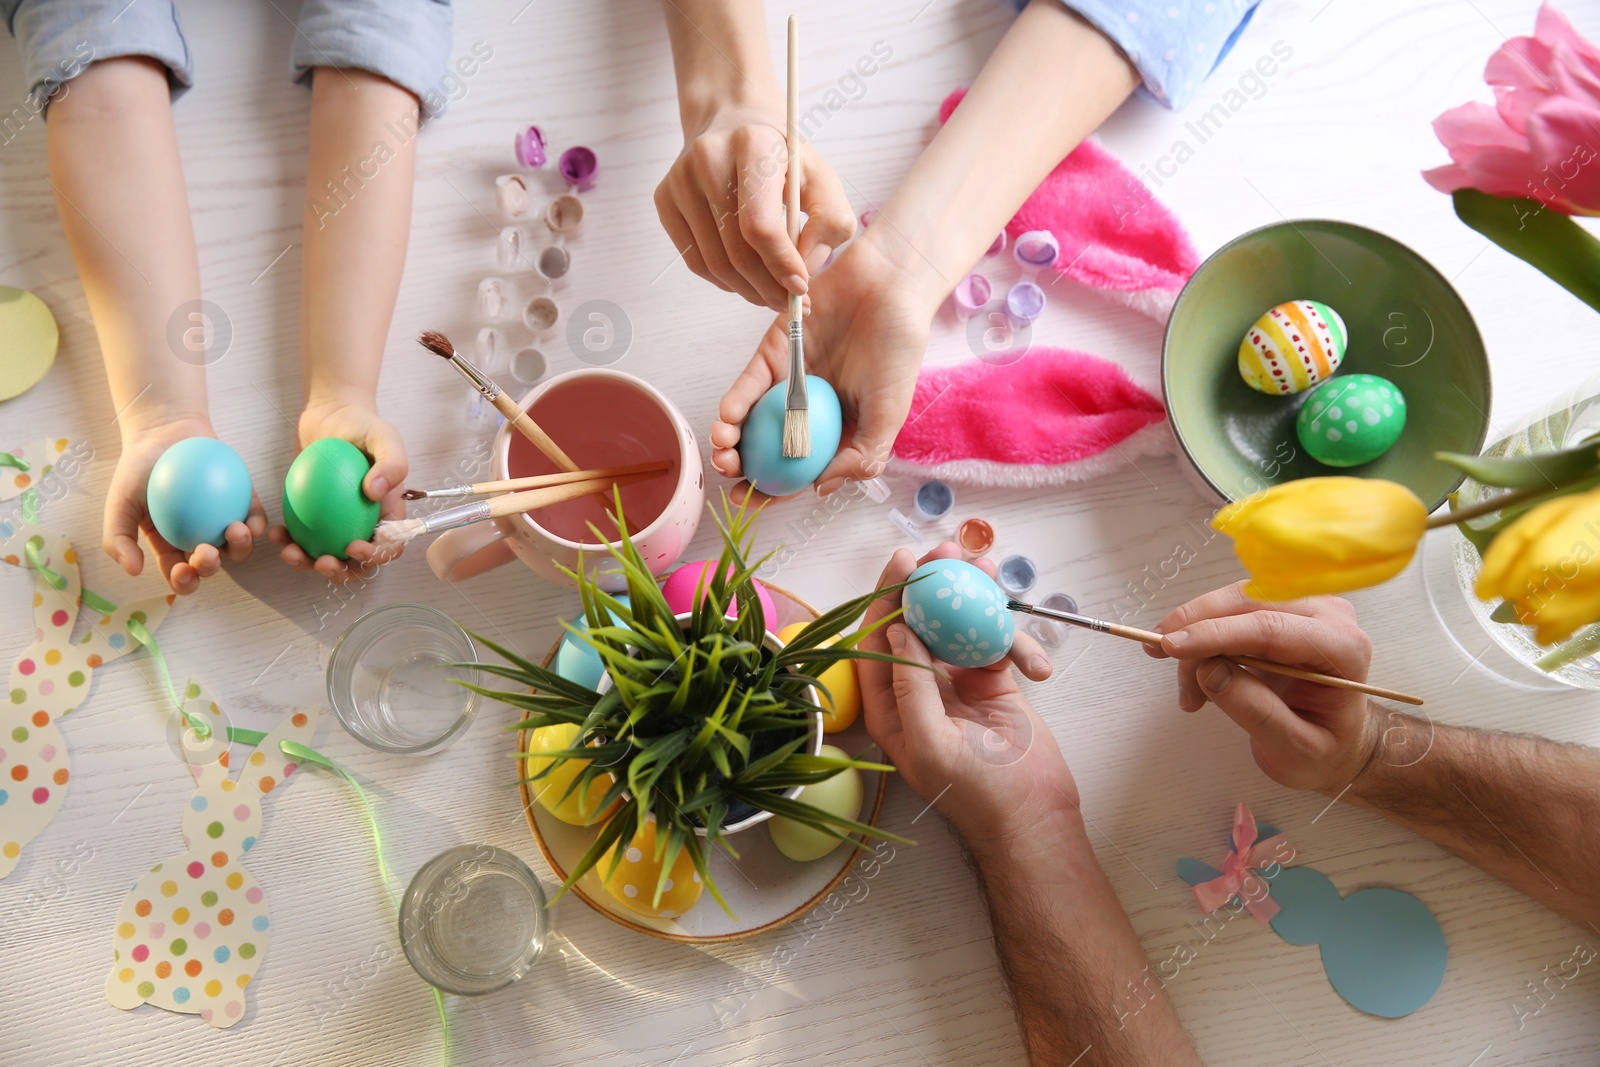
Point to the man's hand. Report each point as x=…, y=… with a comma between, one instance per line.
x=1303, y=735
x=965, y=739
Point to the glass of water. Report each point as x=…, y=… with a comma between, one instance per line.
x=473, y=920
x=388, y=683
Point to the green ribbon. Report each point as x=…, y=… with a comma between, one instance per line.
x=305, y=754
x=8, y=460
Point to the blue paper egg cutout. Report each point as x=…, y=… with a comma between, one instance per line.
x=761, y=441
x=576, y=660
x=959, y=613
x=196, y=489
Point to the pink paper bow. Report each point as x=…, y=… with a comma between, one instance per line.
x=1247, y=853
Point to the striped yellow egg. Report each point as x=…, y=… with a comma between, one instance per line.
x=638, y=872
x=1292, y=347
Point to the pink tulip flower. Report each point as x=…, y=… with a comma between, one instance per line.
x=1541, y=139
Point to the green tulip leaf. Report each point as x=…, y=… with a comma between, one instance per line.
x=1529, y=471
x=1538, y=235
x=1505, y=612
x=1585, y=643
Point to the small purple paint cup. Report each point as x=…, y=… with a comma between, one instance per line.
x=528, y=146
x=970, y=296
x=1037, y=248
x=579, y=167
x=1024, y=303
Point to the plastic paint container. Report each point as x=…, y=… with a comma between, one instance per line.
x=970, y=296
x=1024, y=303
x=1037, y=248
x=1017, y=574
x=975, y=536
x=540, y=315
x=934, y=500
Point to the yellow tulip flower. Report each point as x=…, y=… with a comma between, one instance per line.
x=1323, y=535
x=1547, y=565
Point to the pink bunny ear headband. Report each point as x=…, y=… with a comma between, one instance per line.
x=1054, y=415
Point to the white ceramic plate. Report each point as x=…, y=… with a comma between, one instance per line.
x=764, y=887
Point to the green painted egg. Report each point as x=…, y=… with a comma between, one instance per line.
x=1351, y=420
x=323, y=505
x=840, y=795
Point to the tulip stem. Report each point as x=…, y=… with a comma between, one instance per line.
x=1493, y=504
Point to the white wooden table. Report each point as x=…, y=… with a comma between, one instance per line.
x=907, y=975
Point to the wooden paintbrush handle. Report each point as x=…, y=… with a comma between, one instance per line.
x=530, y=429
x=792, y=134
x=516, y=503
x=540, y=481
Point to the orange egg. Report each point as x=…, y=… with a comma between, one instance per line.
x=581, y=807
x=841, y=704
x=633, y=883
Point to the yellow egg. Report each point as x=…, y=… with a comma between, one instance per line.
x=840, y=795
x=634, y=881
x=580, y=807
x=842, y=702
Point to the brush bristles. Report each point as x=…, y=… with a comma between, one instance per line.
x=438, y=344
x=796, y=433
x=398, y=532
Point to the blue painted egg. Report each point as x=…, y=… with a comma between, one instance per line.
x=196, y=489
x=959, y=613
x=761, y=441
x=575, y=660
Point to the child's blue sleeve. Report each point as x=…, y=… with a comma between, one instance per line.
x=1175, y=44
x=406, y=41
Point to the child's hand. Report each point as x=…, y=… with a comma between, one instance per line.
x=722, y=205
x=126, y=513
x=358, y=423
x=866, y=335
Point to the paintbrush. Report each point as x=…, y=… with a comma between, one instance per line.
x=537, y=481
x=796, y=416
x=440, y=345
x=401, y=531
x=1150, y=637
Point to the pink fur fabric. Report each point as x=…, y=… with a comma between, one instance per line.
x=1115, y=235
x=1055, y=416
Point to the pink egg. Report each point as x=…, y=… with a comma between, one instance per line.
x=679, y=590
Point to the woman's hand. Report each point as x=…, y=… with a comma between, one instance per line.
x=866, y=334
x=722, y=205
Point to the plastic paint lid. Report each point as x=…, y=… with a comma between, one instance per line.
x=579, y=167
x=912, y=531
x=1025, y=302
x=975, y=536
x=934, y=501
x=1037, y=248
x=971, y=294
x=528, y=146
x=1017, y=574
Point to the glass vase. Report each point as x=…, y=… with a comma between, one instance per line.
x=1451, y=564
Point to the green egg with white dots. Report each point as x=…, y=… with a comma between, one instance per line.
x=1351, y=419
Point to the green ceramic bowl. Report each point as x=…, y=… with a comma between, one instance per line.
x=1404, y=321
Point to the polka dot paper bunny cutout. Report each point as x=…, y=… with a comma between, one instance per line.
x=49, y=679
x=193, y=930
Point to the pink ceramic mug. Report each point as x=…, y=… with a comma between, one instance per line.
x=601, y=418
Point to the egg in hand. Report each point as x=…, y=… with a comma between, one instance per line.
x=761, y=455
x=196, y=490
x=324, y=506
x=959, y=613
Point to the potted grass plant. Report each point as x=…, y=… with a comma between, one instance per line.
x=704, y=723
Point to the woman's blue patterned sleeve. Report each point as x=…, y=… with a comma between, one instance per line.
x=1175, y=44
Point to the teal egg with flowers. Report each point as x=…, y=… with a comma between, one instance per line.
x=959, y=613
